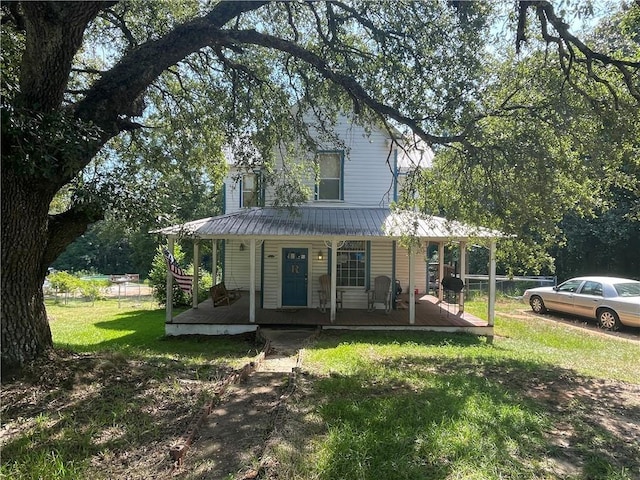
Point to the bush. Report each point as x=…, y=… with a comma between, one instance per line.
x=94, y=289
x=63, y=282
x=69, y=284
x=158, y=280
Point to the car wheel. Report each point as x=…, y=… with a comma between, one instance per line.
x=537, y=305
x=608, y=319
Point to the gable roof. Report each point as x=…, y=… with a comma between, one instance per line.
x=327, y=222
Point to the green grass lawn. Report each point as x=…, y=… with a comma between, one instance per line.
x=543, y=401
x=548, y=342
x=136, y=330
x=440, y=406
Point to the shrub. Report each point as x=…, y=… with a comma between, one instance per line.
x=64, y=282
x=158, y=280
x=94, y=289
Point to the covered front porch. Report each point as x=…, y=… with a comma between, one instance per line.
x=277, y=256
x=431, y=314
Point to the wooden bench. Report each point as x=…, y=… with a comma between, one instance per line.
x=220, y=295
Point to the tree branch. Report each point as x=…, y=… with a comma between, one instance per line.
x=566, y=42
x=54, y=32
x=113, y=95
x=65, y=227
x=117, y=20
x=348, y=83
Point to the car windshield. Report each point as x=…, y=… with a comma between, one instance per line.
x=628, y=289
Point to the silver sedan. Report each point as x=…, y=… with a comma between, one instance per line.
x=611, y=301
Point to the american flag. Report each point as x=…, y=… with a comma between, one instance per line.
x=183, y=280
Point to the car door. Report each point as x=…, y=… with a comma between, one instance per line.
x=587, y=299
x=561, y=299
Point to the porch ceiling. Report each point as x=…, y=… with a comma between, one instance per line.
x=327, y=222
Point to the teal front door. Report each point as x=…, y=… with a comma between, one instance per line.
x=294, y=277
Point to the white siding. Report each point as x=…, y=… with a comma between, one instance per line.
x=236, y=265
x=368, y=178
x=402, y=270
x=380, y=263
x=232, y=194
x=273, y=271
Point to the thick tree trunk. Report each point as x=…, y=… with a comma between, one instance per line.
x=25, y=329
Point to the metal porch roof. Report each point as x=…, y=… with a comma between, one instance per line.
x=326, y=222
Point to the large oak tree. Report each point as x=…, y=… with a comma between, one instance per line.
x=78, y=76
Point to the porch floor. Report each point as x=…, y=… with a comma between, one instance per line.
x=430, y=315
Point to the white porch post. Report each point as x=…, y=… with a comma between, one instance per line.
x=334, y=280
x=492, y=286
x=412, y=285
x=427, y=273
x=440, y=270
x=214, y=261
x=196, y=271
x=252, y=280
x=169, y=286
x=463, y=274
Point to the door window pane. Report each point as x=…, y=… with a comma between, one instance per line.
x=570, y=286
x=592, y=288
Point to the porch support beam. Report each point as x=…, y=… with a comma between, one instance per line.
x=252, y=280
x=427, y=272
x=440, y=270
x=214, y=261
x=463, y=274
x=492, y=286
x=334, y=279
x=196, y=274
x=169, y=286
x=412, y=285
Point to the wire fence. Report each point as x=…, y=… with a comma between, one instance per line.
x=506, y=285
x=125, y=292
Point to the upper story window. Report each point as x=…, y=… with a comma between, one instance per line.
x=329, y=185
x=249, y=191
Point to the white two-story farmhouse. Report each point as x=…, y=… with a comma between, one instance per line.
x=338, y=259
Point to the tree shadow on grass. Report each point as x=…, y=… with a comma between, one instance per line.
x=100, y=412
x=143, y=331
x=433, y=417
